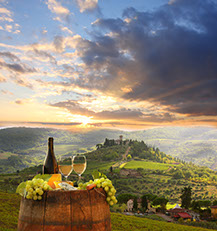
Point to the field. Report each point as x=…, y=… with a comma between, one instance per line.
x=130, y=223
x=5, y=155
x=94, y=165
x=10, y=209
x=147, y=165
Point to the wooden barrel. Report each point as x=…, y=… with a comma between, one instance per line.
x=80, y=210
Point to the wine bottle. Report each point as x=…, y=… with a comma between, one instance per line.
x=50, y=164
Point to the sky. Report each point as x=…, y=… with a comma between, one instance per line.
x=126, y=64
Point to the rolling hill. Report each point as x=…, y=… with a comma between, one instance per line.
x=22, y=147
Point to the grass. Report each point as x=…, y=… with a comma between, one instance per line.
x=121, y=166
x=131, y=223
x=147, y=165
x=97, y=165
x=9, y=211
x=5, y=155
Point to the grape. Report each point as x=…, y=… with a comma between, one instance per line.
x=112, y=190
x=80, y=185
x=97, y=181
x=30, y=190
x=45, y=187
x=40, y=192
x=110, y=193
x=34, y=193
x=35, y=189
x=110, y=185
x=29, y=197
x=104, y=184
x=111, y=203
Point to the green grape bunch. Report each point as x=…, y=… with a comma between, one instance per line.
x=107, y=185
x=35, y=189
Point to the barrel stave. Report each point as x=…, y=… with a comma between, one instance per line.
x=80, y=210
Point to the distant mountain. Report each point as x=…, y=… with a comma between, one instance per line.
x=21, y=147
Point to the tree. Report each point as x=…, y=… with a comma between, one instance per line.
x=135, y=203
x=98, y=146
x=106, y=143
x=186, y=197
x=124, y=197
x=144, y=202
x=178, y=174
x=160, y=201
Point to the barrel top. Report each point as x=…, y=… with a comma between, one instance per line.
x=64, y=194
x=54, y=192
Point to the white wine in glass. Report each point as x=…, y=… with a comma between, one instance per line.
x=79, y=164
x=65, y=166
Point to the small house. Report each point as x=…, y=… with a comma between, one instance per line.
x=214, y=211
x=130, y=205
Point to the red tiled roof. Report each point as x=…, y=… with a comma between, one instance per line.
x=177, y=210
x=184, y=215
x=214, y=206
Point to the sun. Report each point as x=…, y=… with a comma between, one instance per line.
x=85, y=120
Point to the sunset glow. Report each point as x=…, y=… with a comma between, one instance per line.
x=108, y=64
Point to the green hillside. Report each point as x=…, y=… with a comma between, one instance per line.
x=10, y=210
x=23, y=147
x=147, y=170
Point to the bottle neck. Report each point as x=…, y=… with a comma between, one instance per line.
x=50, y=146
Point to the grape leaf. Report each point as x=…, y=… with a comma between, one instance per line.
x=96, y=175
x=21, y=189
x=44, y=177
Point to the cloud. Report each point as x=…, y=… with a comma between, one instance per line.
x=20, y=101
x=44, y=54
x=10, y=56
x=5, y=11
x=58, y=43
x=87, y=5
x=167, y=56
x=6, y=92
x=76, y=108
x=22, y=81
x=7, y=22
x=56, y=8
x=3, y=123
x=121, y=114
x=19, y=68
x=2, y=78
x=66, y=29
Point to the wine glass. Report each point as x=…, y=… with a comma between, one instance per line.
x=79, y=164
x=65, y=166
